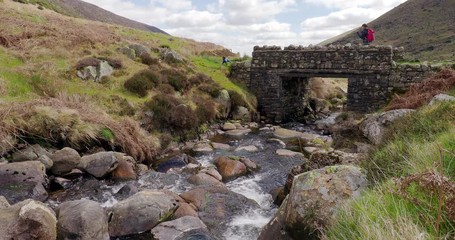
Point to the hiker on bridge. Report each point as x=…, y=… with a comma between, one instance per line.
x=366, y=34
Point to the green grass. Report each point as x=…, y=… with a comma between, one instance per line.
x=383, y=212
x=428, y=125
x=17, y=85
x=212, y=67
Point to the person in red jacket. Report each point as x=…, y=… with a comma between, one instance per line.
x=366, y=34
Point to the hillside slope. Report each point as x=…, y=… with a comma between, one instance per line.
x=42, y=54
x=423, y=27
x=81, y=9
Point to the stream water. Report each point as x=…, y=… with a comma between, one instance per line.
x=257, y=186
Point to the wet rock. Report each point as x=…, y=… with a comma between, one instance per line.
x=4, y=202
x=238, y=125
x=212, y=172
x=311, y=150
x=185, y=209
x=276, y=228
x=238, y=132
x=23, y=180
x=46, y=161
x=283, y=133
x=83, y=220
x=250, y=148
x=204, y=179
x=99, y=164
x=28, y=220
x=142, y=169
x=140, y=212
x=288, y=153
x=64, y=160
x=229, y=126
x=33, y=153
x=224, y=99
x=253, y=125
x=374, y=127
x=264, y=129
x=217, y=206
x=277, y=141
x=75, y=173
x=124, y=171
x=177, y=161
x=315, y=195
x=203, y=147
x=242, y=114
x=221, y=146
x=60, y=183
x=441, y=98
x=183, y=228
x=127, y=190
x=192, y=168
x=250, y=164
x=157, y=180
x=230, y=169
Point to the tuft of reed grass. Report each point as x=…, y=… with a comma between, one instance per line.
x=73, y=121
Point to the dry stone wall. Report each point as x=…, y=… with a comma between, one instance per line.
x=240, y=72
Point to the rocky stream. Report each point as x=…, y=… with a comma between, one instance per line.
x=227, y=186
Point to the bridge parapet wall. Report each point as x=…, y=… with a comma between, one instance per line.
x=328, y=59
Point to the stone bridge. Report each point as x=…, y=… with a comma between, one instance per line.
x=280, y=77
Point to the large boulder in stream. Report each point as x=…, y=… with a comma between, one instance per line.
x=83, y=220
x=28, y=219
x=64, y=160
x=125, y=169
x=181, y=229
x=23, y=180
x=217, y=206
x=374, y=127
x=230, y=169
x=99, y=164
x=141, y=212
x=315, y=195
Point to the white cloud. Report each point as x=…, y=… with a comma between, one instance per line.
x=244, y=12
x=241, y=24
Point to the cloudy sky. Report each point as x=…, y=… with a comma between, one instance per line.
x=241, y=24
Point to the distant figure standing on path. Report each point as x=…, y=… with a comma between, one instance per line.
x=366, y=34
x=225, y=60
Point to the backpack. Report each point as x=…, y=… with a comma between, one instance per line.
x=370, y=35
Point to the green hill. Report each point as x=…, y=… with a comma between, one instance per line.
x=42, y=50
x=423, y=27
x=81, y=9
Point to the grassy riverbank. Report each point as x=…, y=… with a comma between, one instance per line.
x=412, y=195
